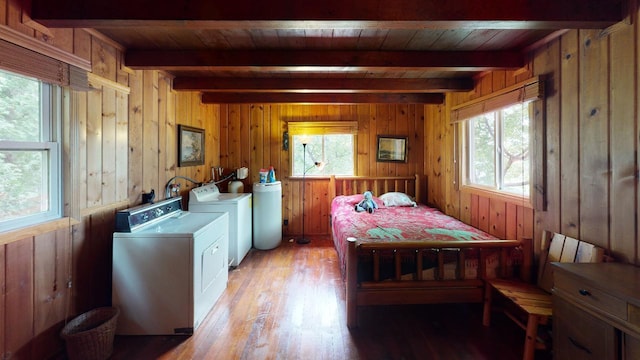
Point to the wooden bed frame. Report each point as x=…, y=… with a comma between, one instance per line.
x=418, y=291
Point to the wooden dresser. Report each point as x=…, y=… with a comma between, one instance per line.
x=596, y=311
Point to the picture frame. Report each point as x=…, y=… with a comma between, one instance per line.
x=190, y=146
x=392, y=148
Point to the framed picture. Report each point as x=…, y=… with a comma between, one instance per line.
x=190, y=146
x=392, y=148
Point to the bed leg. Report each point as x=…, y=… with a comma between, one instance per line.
x=352, y=284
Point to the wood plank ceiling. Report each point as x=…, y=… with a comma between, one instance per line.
x=332, y=51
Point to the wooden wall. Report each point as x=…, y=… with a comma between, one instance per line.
x=154, y=115
x=126, y=145
x=120, y=141
x=591, y=134
x=251, y=136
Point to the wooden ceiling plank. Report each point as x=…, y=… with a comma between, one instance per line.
x=450, y=39
x=290, y=38
x=424, y=39
x=343, y=39
x=280, y=14
x=264, y=38
x=320, y=98
x=371, y=38
x=318, y=38
x=300, y=60
x=398, y=39
x=326, y=85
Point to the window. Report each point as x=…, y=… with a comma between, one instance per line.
x=325, y=154
x=497, y=150
x=29, y=151
x=496, y=132
x=330, y=148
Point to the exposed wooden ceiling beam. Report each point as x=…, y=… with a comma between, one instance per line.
x=316, y=60
x=300, y=85
x=326, y=98
x=295, y=14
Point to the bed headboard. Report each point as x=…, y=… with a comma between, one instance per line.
x=350, y=185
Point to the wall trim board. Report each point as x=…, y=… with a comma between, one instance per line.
x=35, y=230
x=96, y=82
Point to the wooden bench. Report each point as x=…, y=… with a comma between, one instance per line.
x=529, y=305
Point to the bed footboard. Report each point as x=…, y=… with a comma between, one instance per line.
x=464, y=288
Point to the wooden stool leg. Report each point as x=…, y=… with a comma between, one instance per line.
x=486, y=313
x=531, y=337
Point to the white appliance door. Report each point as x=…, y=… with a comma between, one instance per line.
x=153, y=285
x=210, y=268
x=240, y=221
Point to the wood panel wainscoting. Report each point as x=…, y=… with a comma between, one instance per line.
x=35, y=273
x=50, y=273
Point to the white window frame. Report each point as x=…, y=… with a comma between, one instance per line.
x=51, y=118
x=498, y=186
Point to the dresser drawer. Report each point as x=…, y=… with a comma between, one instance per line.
x=634, y=315
x=579, y=336
x=630, y=347
x=582, y=293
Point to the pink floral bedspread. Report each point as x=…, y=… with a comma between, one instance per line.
x=421, y=223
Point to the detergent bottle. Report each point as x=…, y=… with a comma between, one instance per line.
x=264, y=175
x=271, y=176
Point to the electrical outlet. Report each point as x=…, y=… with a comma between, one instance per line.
x=285, y=222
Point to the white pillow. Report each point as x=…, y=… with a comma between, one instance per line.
x=397, y=199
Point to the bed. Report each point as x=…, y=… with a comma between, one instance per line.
x=410, y=253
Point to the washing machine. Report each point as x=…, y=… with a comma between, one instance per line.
x=169, y=267
x=208, y=198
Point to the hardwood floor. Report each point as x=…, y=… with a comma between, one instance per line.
x=288, y=303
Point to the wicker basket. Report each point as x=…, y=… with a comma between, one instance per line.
x=90, y=336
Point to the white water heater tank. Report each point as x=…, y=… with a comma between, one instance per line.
x=267, y=215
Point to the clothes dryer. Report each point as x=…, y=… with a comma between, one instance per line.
x=169, y=267
x=207, y=198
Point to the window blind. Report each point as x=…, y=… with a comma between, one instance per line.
x=322, y=127
x=30, y=63
x=528, y=90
